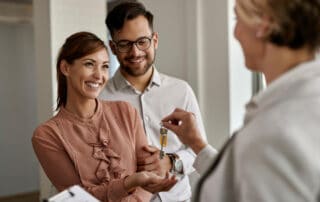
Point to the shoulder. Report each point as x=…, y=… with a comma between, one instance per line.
x=48, y=130
x=175, y=83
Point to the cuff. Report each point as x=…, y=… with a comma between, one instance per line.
x=187, y=159
x=204, y=159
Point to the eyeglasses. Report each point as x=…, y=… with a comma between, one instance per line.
x=124, y=46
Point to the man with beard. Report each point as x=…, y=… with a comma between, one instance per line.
x=154, y=95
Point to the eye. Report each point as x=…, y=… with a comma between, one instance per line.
x=143, y=41
x=105, y=66
x=88, y=64
x=123, y=44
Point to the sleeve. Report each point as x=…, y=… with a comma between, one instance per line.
x=204, y=159
x=186, y=154
x=54, y=159
x=274, y=167
x=61, y=171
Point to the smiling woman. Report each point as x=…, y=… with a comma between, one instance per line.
x=90, y=142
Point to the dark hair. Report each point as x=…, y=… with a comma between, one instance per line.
x=124, y=11
x=297, y=23
x=76, y=46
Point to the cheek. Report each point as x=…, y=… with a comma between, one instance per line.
x=121, y=56
x=106, y=75
x=237, y=31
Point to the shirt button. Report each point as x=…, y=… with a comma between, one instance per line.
x=147, y=118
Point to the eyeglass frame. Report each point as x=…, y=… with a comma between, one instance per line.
x=131, y=43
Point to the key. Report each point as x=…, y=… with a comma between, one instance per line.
x=163, y=140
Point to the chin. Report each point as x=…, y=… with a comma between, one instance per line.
x=93, y=95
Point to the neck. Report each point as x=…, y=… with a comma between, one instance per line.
x=82, y=108
x=139, y=82
x=279, y=60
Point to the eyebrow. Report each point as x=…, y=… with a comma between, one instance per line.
x=126, y=40
x=92, y=60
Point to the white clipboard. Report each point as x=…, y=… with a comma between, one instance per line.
x=73, y=194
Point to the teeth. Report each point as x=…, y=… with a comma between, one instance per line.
x=136, y=60
x=92, y=84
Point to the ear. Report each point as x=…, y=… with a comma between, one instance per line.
x=65, y=68
x=155, y=39
x=263, y=27
x=113, y=47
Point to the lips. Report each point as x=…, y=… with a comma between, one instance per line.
x=136, y=60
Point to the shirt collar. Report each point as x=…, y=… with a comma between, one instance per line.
x=275, y=92
x=121, y=82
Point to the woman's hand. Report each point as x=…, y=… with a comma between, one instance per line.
x=184, y=125
x=150, y=182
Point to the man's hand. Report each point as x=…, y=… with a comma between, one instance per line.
x=153, y=163
x=184, y=125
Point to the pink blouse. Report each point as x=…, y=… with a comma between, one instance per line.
x=97, y=153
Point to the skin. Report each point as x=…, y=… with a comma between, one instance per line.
x=183, y=123
x=136, y=67
x=86, y=77
x=260, y=55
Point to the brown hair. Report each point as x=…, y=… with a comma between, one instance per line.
x=296, y=23
x=76, y=46
x=125, y=11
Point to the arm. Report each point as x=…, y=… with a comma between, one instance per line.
x=184, y=125
x=186, y=154
x=63, y=174
x=61, y=170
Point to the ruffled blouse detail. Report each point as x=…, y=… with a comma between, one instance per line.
x=109, y=167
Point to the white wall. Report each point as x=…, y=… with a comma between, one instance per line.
x=240, y=79
x=18, y=170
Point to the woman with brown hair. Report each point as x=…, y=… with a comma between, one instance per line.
x=91, y=142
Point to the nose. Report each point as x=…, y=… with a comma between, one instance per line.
x=97, y=72
x=134, y=51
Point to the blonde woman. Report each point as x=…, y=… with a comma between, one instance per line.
x=275, y=156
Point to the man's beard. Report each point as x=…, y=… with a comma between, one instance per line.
x=136, y=73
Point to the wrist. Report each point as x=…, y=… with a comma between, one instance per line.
x=198, y=145
x=176, y=162
x=129, y=183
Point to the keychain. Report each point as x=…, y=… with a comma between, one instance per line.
x=163, y=139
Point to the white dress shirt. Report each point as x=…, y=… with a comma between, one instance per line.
x=275, y=157
x=160, y=98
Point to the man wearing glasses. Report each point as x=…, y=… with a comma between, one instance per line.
x=153, y=94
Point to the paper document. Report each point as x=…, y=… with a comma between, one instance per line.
x=73, y=194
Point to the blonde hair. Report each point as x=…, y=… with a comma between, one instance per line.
x=293, y=23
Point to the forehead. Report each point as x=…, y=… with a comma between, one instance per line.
x=133, y=29
x=100, y=55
